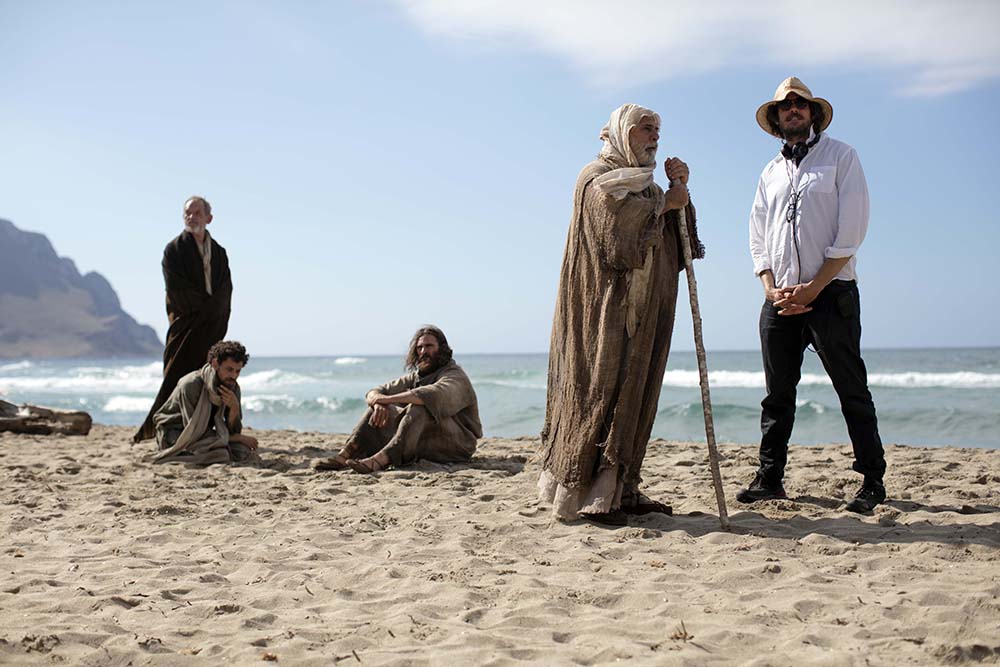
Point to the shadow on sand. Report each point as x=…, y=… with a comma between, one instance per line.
x=844, y=526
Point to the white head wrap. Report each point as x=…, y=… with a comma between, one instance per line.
x=629, y=175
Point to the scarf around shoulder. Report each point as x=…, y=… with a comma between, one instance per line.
x=189, y=408
x=602, y=167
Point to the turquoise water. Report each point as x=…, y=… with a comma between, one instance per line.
x=923, y=397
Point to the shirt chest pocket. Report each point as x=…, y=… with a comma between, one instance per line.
x=820, y=180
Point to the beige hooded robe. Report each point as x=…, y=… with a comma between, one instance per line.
x=603, y=383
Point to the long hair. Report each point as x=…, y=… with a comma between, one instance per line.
x=444, y=350
x=815, y=111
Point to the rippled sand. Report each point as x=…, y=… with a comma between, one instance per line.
x=107, y=560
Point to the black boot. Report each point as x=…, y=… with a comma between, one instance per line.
x=759, y=489
x=871, y=493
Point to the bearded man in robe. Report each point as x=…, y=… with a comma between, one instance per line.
x=613, y=321
x=199, y=293
x=201, y=421
x=430, y=413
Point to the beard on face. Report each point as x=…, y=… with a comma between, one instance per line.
x=428, y=363
x=647, y=158
x=646, y=155
x=228, y=384
x=792, y=135
x=195, y=229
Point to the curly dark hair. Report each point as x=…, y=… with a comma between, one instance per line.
x=228, y=349
x=815, y=111
x=445, y=352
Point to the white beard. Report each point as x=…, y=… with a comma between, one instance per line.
x=643, y=157
x=197, y=230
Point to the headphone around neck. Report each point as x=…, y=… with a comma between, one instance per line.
x=798, y=150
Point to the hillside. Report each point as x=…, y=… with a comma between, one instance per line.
x=49, y=310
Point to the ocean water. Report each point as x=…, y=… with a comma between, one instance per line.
x=940, y=397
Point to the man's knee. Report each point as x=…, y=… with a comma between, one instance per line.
x=415, y=412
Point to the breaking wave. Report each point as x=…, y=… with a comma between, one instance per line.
x=137, y=404
x=275, y=404
x=904, y=380
x=90, y=380
x=18, y=366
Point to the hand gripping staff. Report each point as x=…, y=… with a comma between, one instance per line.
x=699, y=344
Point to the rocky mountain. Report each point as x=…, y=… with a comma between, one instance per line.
x=47, y=309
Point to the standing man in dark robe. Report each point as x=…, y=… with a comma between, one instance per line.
x=199, y=292
x=613, y=322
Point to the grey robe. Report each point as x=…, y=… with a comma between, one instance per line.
x=444, y=429
x=603, y=386
x=212, y=445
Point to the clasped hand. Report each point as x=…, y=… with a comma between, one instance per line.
x=792, y=300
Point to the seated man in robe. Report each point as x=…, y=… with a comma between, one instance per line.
x=201, y=421
x=430, y=413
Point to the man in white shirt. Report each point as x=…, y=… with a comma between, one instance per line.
x=809, y=218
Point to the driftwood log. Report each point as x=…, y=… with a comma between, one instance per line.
x=36, y=420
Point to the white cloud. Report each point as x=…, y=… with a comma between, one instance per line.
x=935, y=47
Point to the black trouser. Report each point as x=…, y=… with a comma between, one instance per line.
x=833, y=326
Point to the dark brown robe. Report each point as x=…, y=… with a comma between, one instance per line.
x=603, y=386
x=197, y=320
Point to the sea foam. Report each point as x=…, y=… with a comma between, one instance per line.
x=17, y=366
x=137, y=404
x=905, y=380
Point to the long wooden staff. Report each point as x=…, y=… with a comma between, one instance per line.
x=699, y=345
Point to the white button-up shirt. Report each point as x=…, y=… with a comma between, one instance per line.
x=830, y=217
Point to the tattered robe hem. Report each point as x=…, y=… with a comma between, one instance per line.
x=611, y=332
x=602, y=495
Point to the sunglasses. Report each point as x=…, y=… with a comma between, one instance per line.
x=798, y=103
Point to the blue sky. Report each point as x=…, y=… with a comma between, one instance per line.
x=377, y=165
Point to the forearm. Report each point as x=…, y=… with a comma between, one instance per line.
x=831, y=267
x=771, y=293
x=232, y=417
x=407, y=397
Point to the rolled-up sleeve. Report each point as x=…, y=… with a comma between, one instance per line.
x=758, y=226
x=853, y=207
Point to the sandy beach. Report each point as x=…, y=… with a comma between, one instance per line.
x=107, y=560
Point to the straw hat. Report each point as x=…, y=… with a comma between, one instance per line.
x=793, y=85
